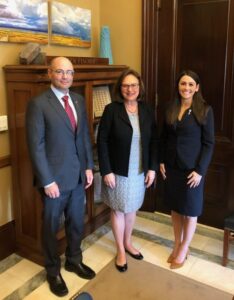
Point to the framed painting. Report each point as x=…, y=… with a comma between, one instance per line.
x=23, y=21
x=70, y=25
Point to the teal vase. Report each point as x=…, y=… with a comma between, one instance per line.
x=105, y=44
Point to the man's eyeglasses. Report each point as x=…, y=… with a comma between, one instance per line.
x=128, y=86
x=63, y=72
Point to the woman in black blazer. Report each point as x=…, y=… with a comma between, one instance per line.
x=186, y=147
x=127, y=158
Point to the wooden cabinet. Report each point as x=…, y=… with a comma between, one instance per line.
x=22, y=84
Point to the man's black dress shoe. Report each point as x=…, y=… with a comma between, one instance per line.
x=122, y=268
x=57, y=285
x=138, y=256
x=81, y=270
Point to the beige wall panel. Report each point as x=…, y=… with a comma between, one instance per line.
x=124, y=19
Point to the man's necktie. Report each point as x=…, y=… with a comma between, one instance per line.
x=69, y=112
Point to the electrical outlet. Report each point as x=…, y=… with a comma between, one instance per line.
x=3, y=123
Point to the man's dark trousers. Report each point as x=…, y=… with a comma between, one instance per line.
x=71, y=203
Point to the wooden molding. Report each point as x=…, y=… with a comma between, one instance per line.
x=83, y=60
x=7, y=239
x=5, y=161
x=149, y=56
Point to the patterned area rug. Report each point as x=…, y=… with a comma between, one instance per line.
x=145, y=281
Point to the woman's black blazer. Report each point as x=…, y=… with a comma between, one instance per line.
x=115, y=136
x=188, y=144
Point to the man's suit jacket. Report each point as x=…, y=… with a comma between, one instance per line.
x=57, y=153
x=115, y=136
x=188, y=144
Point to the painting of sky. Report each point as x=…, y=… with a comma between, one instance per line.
x=26, y=16
x=70, y=25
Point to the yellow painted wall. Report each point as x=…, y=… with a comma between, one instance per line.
x=124, y=20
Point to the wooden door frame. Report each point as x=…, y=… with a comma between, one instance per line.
x=149, y=55
x=149, y=70
x=150, y=42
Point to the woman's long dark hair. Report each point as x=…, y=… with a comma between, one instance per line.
x=199, y=105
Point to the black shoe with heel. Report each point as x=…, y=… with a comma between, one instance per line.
x=138, y=256
x=122, y=268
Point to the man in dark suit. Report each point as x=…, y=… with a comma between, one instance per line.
x=61, y=153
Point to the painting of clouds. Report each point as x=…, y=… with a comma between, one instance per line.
x=24, y=21
x=70, y=25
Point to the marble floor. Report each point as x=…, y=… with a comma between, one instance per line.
x=22, y=279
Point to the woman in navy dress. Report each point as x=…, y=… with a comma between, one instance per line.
x=187, y=142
